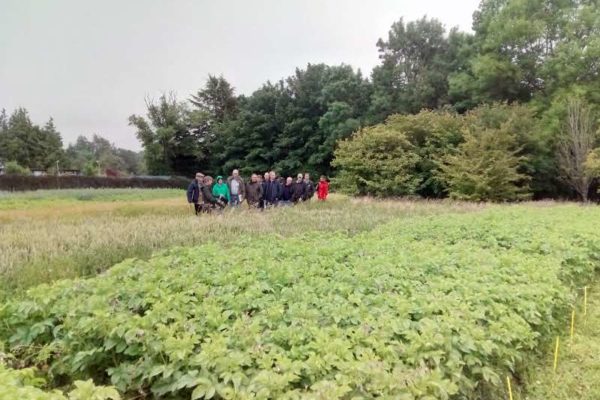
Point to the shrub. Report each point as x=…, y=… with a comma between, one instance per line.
x=485, y=167
x=378, y=161
x=21, y=183
x=13, y=168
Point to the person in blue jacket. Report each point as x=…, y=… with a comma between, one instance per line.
x=271, y=190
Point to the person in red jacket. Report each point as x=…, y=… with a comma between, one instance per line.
x=322, y=188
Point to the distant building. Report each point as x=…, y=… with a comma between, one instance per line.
x=39, y=172
x=70, y=172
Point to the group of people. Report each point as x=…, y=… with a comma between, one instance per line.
x=260, y=193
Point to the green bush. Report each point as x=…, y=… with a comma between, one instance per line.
x=444, y=307
x=485, y=167
x=377, y=161
x=13, y=168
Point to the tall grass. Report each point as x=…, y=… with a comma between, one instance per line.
x=65, y=238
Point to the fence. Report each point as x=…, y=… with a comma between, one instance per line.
x=21, y=183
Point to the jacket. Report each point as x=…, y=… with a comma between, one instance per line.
x=298, y=191
x=254, y=193
x=309, y=190
x=272, y=191
x=221, y=189
x=287, y=192
x=241, y=187
x=322, y=189
x=193, y=192
x=207, y=196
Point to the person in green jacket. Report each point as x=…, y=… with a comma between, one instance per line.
x=221, y=189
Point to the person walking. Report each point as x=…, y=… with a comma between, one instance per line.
x=254, y=192
x=221, y=190
x=237, y=188
x=309, y=191
x=323, y=188
x=271, y=190
x=194, y=192
x=298, y=189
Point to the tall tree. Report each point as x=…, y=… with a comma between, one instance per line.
x=575, y=145
x=28, y=144
x=216, y=99
x=169, y=143
x=414, y=69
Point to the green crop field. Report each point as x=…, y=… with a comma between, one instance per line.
x=349, y=299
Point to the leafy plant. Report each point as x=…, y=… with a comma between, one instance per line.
x=441, y=308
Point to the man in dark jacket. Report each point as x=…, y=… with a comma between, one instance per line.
x=271, y=190
x=194, y=195
x=287, y=192
x=298, y=189
x=254, y=192
x=309, y=191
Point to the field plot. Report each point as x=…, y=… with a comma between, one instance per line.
x=50, y=235
x=436, y=306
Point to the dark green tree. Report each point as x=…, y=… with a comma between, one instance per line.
x=216, y=98
x=415, y=63
x=28, y=144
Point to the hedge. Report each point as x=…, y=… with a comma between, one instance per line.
x=21, y=183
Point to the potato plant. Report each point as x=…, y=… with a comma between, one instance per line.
x=439, y=307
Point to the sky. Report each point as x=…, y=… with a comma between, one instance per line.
x=89, y=64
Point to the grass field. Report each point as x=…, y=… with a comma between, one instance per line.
x=344, y=299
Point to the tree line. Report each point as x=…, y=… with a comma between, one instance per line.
x=513, y=78
x=25, y=146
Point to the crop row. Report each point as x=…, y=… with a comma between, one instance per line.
x=437, y=307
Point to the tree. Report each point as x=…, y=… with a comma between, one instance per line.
x=377, y=161
x=216, y=99
x=101, y=155
x=27, y=143
x=432, y=134
x=575, y=145
x=171, y=143
x=414, y=69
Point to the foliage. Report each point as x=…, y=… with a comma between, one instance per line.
x=173, y=136
x=377, y=161
x=305, y=323
x=485, y=168
x=98, y=154
x=416, y=60
x=216, y=99
x=483, y=155
x=25, y=384
x=293, y=125
x=14, y=168
x=592, y=164
x=432, y=134
x=28, y=144
x=20, y=183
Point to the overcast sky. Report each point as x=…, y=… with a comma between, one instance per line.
x=90, y=64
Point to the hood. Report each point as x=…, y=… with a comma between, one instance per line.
x=219, y=177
